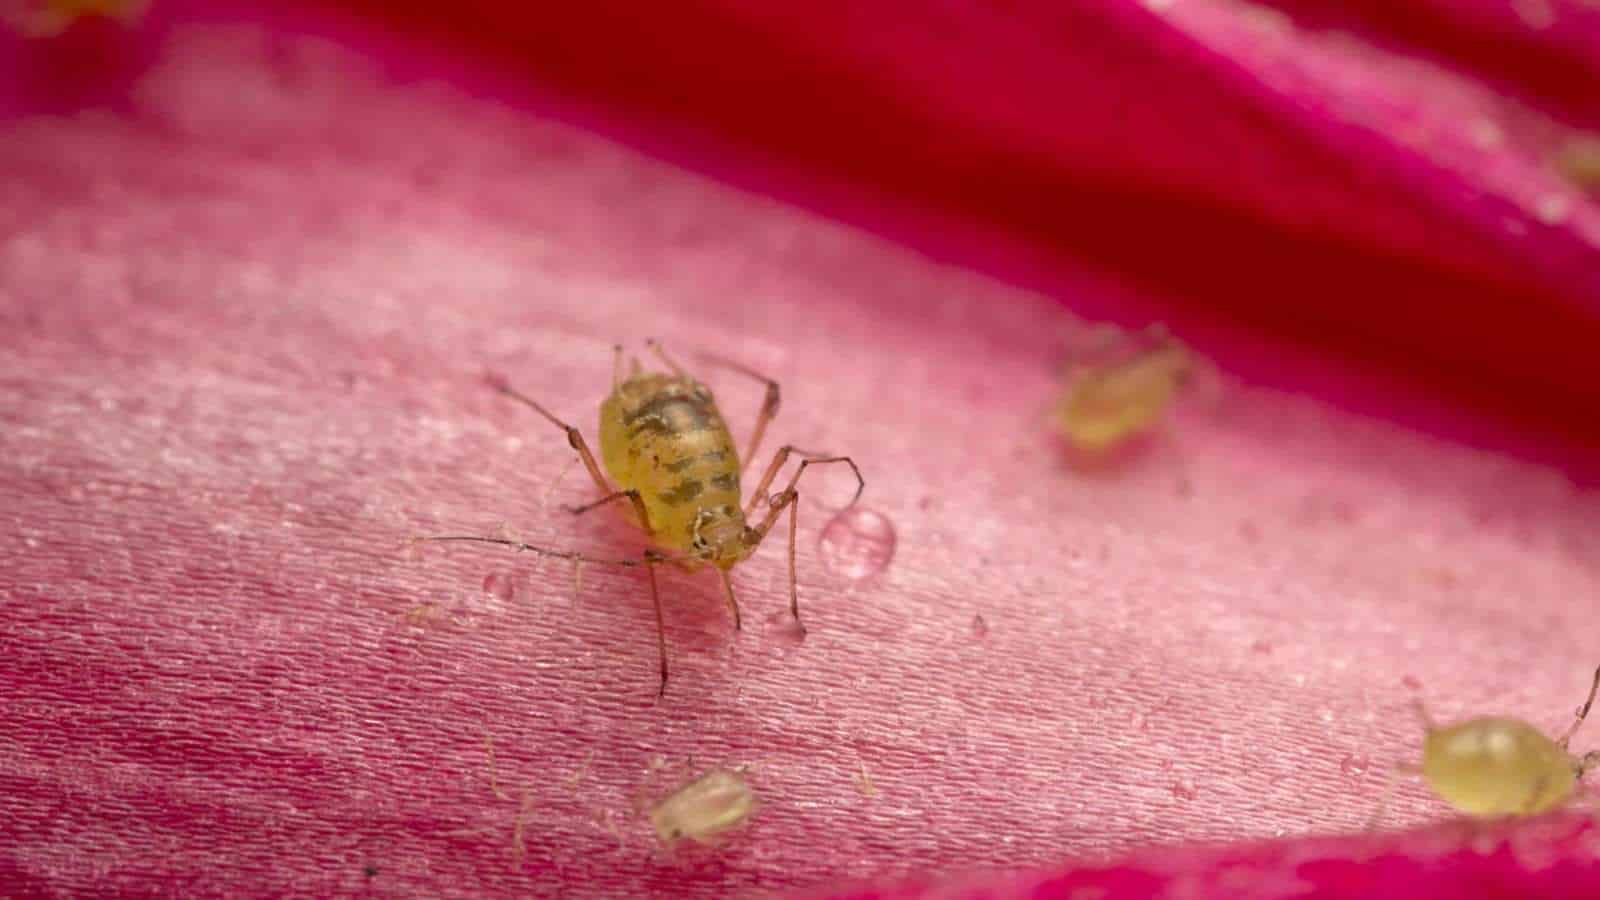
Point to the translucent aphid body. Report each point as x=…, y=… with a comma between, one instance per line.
x=674, y=469
x=704, y=809
x=1497, y=766
x=1579, y=162
x=49, y=18
x=1108, y=404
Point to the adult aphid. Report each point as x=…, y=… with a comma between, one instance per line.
x=674, y=467
x=1500, y=766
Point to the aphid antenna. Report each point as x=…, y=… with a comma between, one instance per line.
x=661, y=353
x=1583, y=713
x=522, y=547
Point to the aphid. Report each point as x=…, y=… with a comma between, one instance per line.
x=1499, y=766
x=709, y=806
x=1579, y=162
x=49, y=18
x=676, y=471
x=1111, y=402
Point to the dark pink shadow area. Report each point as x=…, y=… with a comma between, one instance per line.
x=253, y=268
x=1213, y=176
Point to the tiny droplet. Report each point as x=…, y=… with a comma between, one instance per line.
x=1262, y=647
x=1184, y=790
x=1355, y=766
x=500, y=587
x=785, y=628
x=858, y=543
x=1412, y=682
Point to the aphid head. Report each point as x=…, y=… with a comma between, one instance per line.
x=721, y=537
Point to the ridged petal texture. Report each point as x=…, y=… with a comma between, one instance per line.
x=254, y=266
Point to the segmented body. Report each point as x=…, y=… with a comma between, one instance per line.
x=661, y=435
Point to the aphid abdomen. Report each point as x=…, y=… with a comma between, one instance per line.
x=1104, y=408
x=663, y=437
x=704, y=809
x=1497, y=767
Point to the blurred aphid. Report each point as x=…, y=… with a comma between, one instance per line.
x=1579, y=162
x=1499, y=766
x=1113, y=400
x=49, y=18
x=704, y=809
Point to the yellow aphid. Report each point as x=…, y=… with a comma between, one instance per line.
x=48, y=18
x=1496, y=766
x=702, y=810
x=1579, y=162
x=674, y=468
x=1109, y=403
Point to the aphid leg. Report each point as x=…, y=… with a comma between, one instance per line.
x=733, y=602
x=794, y=579
x=1586, y=762
x=521, y=547
x=631, y=495
x=1583, y=712
x=574, y=437
x=1390, y=778
x=769, y=406
x=781, y=457
x=661, y=354
x=1422, y=714
x=650, y=560
x=789, y=498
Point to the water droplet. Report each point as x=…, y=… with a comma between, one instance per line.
x=1262, y=647
x=1184, y=790
x=500, y=587
x=1355, y=766
x=980, y=627
x=858, y=543
x=786, y=629
x=1250, y=531
x=1412, y=682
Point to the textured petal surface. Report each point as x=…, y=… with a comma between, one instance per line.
x=250, y=280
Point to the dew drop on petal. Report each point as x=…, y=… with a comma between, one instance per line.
x=501, y=587
x=1184, y=790
x=786, y=629
x=1354, y=766
x=858, y=543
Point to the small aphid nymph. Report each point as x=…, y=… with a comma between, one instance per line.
x=1110, y=402
x=704, y=809
x=50, y=18
x=676, y=477
x=1499, y=766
